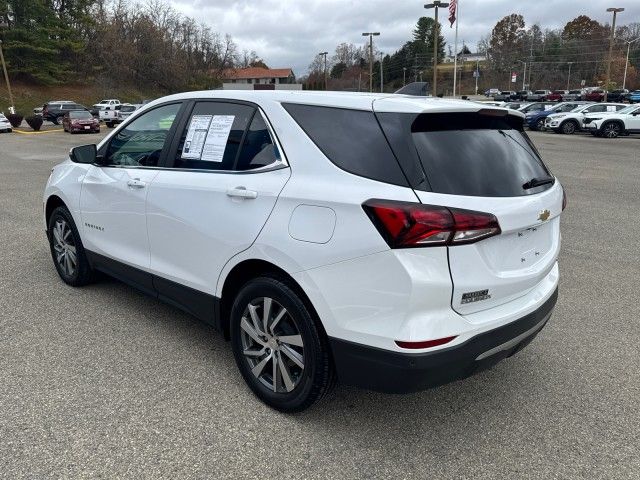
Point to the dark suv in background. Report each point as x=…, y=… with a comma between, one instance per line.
x=54, y=111
x=621, y=95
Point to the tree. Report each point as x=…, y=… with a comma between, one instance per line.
x=338, y=69
x=422, y=43
x=583, y=28
x=506, y=42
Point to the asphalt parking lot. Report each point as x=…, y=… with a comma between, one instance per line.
x=106, y=382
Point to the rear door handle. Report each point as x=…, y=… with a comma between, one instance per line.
x=242, y=192
x=136, y=183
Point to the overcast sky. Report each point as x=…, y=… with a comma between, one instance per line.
x=288, y=33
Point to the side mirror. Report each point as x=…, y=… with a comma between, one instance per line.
x=84, y=154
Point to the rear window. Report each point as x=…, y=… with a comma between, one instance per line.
x=471, y=154
x=127, y=108
x=351, y=139
x=80, y=114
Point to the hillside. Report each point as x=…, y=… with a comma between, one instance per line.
x=27, y=97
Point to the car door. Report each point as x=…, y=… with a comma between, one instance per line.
x=223, y=177
x=632, y=121
x=112, y=201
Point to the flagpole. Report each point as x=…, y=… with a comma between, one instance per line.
x=455, y=51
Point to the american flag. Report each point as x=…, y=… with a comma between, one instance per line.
x=453, y=7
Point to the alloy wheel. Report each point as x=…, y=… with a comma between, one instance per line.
x=272, y=345
x=611, y=130
x=64, y=247
x=568, y=128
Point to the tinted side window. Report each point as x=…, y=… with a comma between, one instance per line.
x=141, y=142
x=258, y=149
x=351, y=139
x=211, y=138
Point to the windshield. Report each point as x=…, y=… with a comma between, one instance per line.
x=567, y=107
x=540, y=91
x=127, y=108
x=575, y=92
x=80, y=114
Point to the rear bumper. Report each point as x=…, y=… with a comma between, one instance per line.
x=394, y=372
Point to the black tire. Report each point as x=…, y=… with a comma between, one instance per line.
x=109, y=124
x=611, y=130
x=305, y=386
x=55, y=121
x=540, y=125
x=569, y=127
x=82, y=273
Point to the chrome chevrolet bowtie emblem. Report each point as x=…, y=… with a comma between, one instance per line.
x=544, y=215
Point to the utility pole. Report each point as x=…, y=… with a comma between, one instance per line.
x=404, y=74
x=6, y=79
x=477, y=74
x=613, y=34
x=370, y=35
x=626, y=65
x=435, y=5
x=381, y=75
x=326, y=80
x=569, y=76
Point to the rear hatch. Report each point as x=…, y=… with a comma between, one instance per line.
x=483, y=161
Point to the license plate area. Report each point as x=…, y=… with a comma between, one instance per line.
x=87, y=127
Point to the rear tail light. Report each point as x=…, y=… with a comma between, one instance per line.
x=564, y=199
x=410, y=225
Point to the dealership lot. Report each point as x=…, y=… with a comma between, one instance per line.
x=104, y=381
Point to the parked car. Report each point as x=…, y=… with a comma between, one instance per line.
x=80, y=121
x=557, y=95
x=5, y=126
x=595, y=95
x=515, y=105
x=336, y=257
x=124, y=111
x=536, y=118
x=54, y=111
x=107, y=103
x=522, y=95
x=420, y=89
x=491, y=92
x=536, y=106
x=571, y=122
x=538, y=96
x=612, y=125
x=634, y=97
x=505, y=96
x=621, y=95
x=573, y=95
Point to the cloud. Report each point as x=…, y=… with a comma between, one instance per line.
x=288, y=33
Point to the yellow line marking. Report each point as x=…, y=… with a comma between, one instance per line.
x=37, y=133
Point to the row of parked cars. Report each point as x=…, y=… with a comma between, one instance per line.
x=75, y=117
x=585, y=94
x=606, y=119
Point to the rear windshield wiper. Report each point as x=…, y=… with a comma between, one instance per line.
x=537, y=182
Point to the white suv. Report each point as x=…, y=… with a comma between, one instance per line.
x=388, y=241
x=612, y=125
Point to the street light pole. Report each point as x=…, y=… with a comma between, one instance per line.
x=569, y=76
x=435, y=5
x=524, y=73
x=404, y=75
x=381, y=75
x=6, y=79
x=370, y=35
x=626, y=65
x=613, y=33
x=326, y=81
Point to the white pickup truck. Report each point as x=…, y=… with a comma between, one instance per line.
x=108, y=110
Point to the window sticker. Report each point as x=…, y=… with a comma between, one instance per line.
x=196, y=135
x=611, y=108
x=217, y=136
